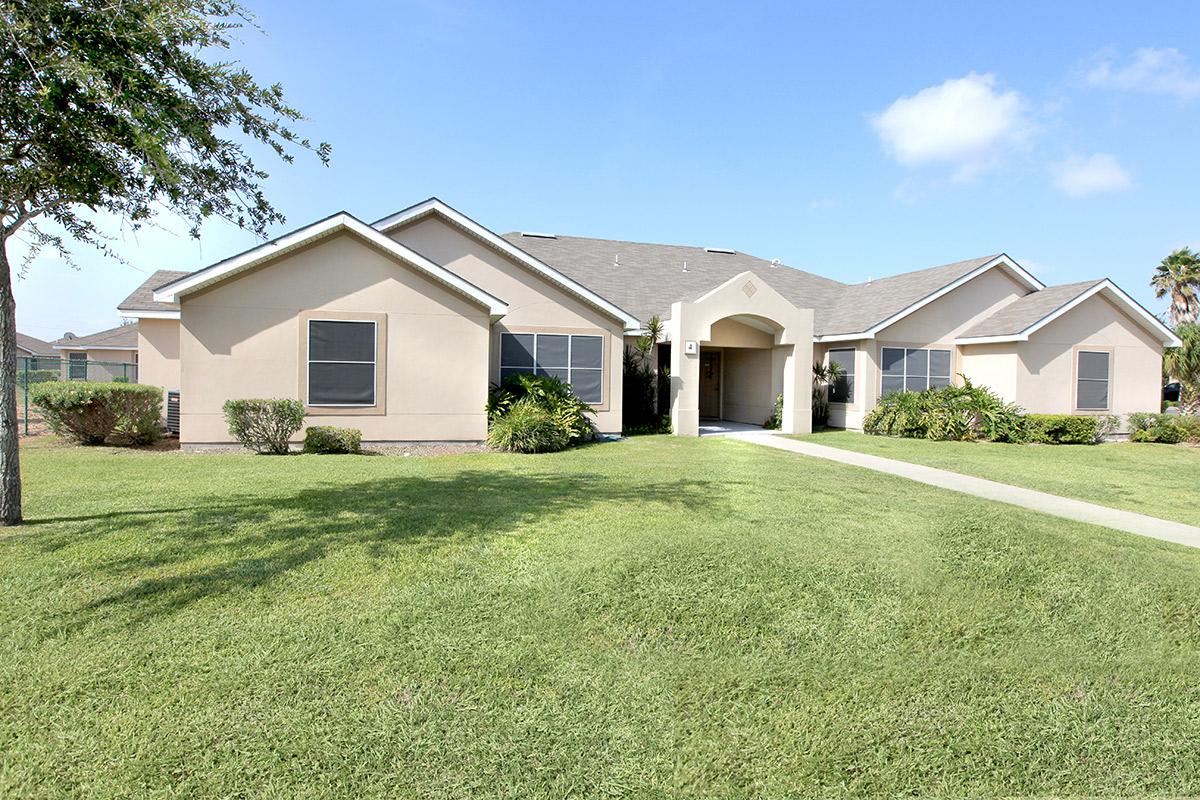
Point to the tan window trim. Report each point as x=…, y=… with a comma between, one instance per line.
x=380, y=320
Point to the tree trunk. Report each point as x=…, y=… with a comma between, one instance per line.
x=10, y=464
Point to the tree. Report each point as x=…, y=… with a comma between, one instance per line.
x=1178, y=276
x=116, y=110
x=1183, y=364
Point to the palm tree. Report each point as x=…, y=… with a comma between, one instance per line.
x=1178, y=275
x=1183, y=363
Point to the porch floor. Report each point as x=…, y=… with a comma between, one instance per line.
x=723, y=427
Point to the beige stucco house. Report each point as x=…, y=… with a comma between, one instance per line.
x=110, y=354
x=399, y=327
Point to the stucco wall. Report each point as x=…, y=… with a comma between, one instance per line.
x=1046, y=371
x=993, y=366
x=746, y=383
x=158, y=353
x=535, y=305
x=242, y=338
x=111, y=369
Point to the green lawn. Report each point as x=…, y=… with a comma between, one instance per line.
x=1159, y=480
x=657, y=617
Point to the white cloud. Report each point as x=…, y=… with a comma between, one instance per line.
x=1079, y=176
x=1158, y=70
x=966, y=123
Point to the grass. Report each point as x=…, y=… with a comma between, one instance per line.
x=1159, y=480
x=657, y=617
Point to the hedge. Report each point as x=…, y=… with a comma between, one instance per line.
x=95, y=413
x=1067, y=428
x=1165, y=428
x=328, y=439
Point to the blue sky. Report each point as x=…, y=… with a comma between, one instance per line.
x=852, y=140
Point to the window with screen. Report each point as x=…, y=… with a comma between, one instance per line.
x=1091, y=380
x=341, y=363
x=911, y=369
x=77, y=366
x=575, y=359
x=842, y=389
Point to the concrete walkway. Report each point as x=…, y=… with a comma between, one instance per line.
x=1063, y=507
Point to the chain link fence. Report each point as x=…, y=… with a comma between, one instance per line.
x=73, y=367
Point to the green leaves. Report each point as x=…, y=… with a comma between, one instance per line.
x=1178, y=277
x=126, y=113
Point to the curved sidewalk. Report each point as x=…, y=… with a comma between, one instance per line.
x=1064, y=507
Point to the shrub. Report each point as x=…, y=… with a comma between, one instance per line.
x=1165, y=428
x=528, y=427
x=92, y=413
x=552, y=396
x=328, y=439
x=958, y=413
x=1066, y=428
x=38, y=376
x=265, y=426
x=775, y=421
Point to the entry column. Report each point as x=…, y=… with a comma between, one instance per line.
x=685, y=374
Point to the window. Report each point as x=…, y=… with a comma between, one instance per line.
x=1091, y=380
x=842, y=390
x=77, y=366
x=341, y=363
x=576, y=360
x=908, y=369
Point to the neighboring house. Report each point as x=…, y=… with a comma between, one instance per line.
x=107, y=355
x=398, y=328
x=30, y=347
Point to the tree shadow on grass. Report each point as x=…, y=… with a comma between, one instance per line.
x=229, y=544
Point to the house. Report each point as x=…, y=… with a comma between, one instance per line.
x=398, y=328
x=107, y=355
x=30, y=348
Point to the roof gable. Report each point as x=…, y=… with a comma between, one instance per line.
x=338, y=223
x=434, y=206
x=141, y=303
x=1021, y=319
x=33, y=345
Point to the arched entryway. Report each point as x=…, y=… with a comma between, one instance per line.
x=733, y=351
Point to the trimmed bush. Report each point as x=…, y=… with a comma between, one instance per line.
x=952, y=413
x=38, y=376
x=265, y=426
x=527, y=427
x=328, y=439
x=93, y=413
x=1066, y=428
x=1165, y=428
x=551, y=395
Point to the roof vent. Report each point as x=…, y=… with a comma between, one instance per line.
x=616, y=259
x=536, y=235
x=685, y=266
x=723, y=250
x=775, y=262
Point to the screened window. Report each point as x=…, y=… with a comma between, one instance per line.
x=576, y=360
x=1092, y=379
x=341, y=363
x=909, y=369
x=842, y=390
x=77, y=366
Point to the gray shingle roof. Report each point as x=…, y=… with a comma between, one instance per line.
x=120, y=336
x=1023, y=312
x=142, y=298
x=32, y=344
x=646, y=278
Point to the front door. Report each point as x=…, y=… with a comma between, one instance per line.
x=710, y=384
